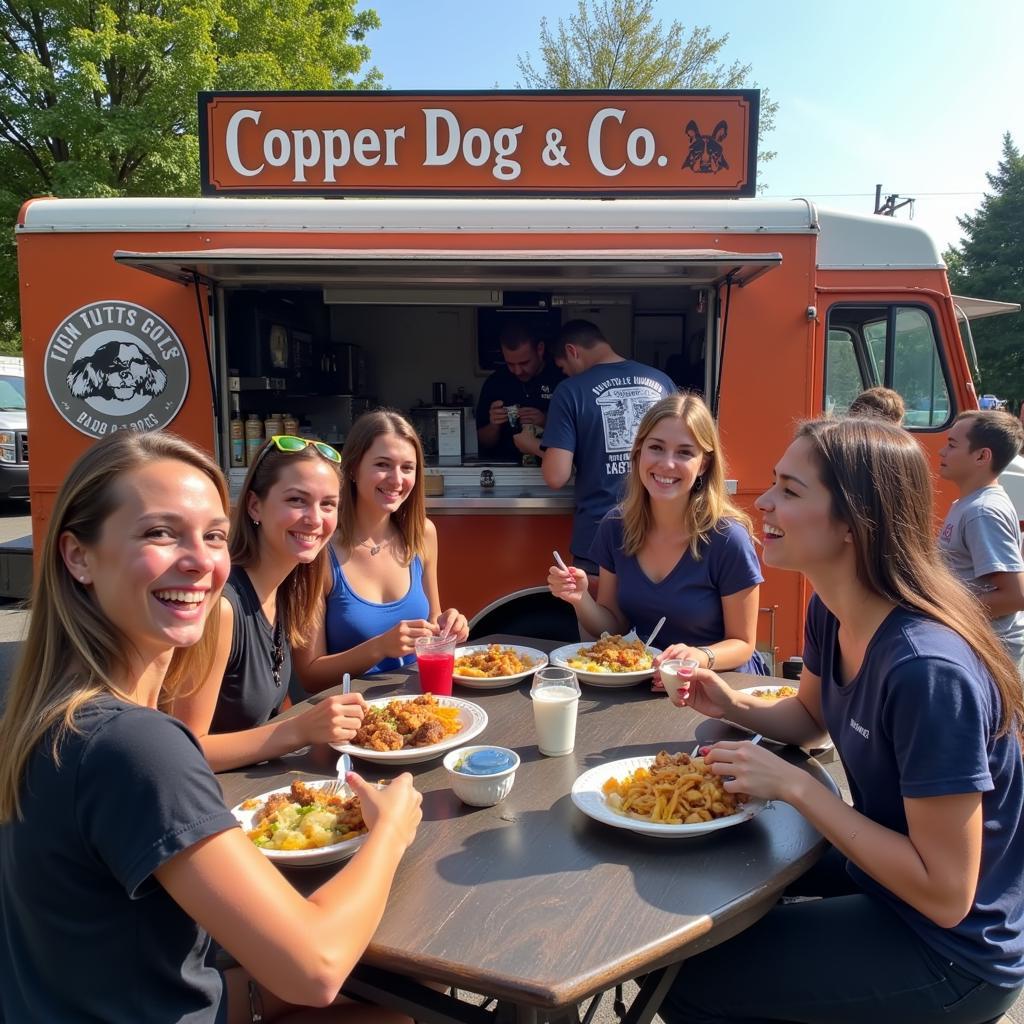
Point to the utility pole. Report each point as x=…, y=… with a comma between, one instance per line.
x=891, y=204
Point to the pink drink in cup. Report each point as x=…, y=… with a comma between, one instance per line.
x=436, y=660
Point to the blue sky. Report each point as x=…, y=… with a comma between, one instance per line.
x=915, y=95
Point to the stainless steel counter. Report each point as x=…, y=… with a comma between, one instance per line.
x=524, y=499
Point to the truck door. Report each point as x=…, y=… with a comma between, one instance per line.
x=895, y=344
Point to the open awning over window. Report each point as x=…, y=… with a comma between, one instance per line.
x=453, y=268
x=976, y=309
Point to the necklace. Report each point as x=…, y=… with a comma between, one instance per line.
x=374, y=549
x=277, y=652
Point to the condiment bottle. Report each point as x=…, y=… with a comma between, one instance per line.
x=237, y=440
x=290, y=424
x=273, y=424
x=253, y=437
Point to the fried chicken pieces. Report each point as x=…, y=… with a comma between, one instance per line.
x=407, y=723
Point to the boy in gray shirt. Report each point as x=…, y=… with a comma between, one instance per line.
x=981, y=538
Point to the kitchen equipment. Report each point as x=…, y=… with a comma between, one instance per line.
x=346, y=409
x=441, y=432
x=347, y=369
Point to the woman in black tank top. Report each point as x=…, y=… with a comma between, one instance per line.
x=280, y=526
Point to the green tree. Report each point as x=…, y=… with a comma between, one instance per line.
x=620, y=44
x=989, y=263
x=98, y=97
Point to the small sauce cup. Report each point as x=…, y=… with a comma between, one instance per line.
x=674, y=671
x=482, y=790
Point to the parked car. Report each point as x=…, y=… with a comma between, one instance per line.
x=13, y=429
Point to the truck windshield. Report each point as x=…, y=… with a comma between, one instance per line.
x=12, y=393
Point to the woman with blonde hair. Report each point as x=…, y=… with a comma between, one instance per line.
x=118, y=858
x=676, y=546
x=921, y=899
x=280, y=528
x=383, y=591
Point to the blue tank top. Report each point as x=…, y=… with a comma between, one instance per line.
x=351, y=619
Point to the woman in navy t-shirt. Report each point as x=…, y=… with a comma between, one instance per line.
x=676, y=546
x=383, y=592
x=280, y=529
x=923, y=911
x=118, y=858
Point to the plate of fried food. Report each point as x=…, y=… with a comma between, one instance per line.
x=612, y=661
x=302, y=826
x=492, y=666
x=408, y=730
x=673, y=796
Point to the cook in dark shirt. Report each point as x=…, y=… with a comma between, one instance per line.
x=527, y=380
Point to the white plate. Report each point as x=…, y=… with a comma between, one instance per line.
x=538, y=658
x=773, y=687
x=299, y=858
x=587, y=796
x=472, y=716
x=609, y=680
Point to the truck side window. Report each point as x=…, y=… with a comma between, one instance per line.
x=843, y=380
x=891, y=345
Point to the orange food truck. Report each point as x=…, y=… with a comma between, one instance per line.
x=354, y=250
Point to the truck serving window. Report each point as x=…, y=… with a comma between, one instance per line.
x=891, y=345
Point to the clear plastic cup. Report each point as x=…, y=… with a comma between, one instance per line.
x=556, y=697
x=674, y=671
x=435, y=657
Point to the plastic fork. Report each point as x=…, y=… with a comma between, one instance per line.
x=344, y=762
x=697, y=753
x=655, y=631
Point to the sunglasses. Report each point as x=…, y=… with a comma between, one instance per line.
x=289, y=443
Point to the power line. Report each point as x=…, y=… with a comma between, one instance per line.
x=860, y=195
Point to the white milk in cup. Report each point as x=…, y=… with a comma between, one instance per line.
x=674, y=671
x=556, y=697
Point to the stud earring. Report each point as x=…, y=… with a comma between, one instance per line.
x=255, y=523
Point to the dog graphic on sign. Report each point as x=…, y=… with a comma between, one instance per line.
x=706, y=155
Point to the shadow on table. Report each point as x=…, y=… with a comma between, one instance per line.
x=499, y=854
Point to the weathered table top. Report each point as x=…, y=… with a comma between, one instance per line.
x=533, y=902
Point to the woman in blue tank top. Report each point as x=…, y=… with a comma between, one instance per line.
x=676, y=546
x=383, y=591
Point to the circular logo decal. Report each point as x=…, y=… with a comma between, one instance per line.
x=116, y=366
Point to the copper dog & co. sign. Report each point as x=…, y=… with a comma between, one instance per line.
x=664, y=143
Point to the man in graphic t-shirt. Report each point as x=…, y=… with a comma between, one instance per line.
x=981, y=538
x=527, y=380
x=591, y=424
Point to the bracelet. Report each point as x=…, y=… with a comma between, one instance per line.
x=709, y=654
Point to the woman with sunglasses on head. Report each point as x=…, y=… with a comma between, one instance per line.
x=118, y=858
x=676, y=546
x=280, y=527
x=383, y=591
x=923, y=908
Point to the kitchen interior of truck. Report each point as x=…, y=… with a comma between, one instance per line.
x=312, y=338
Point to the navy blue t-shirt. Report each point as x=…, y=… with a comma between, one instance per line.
x=505, y=386
x=595, y=416
x=690, y=596
x=919, y=720
x=86, y=931
x=249, y=695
